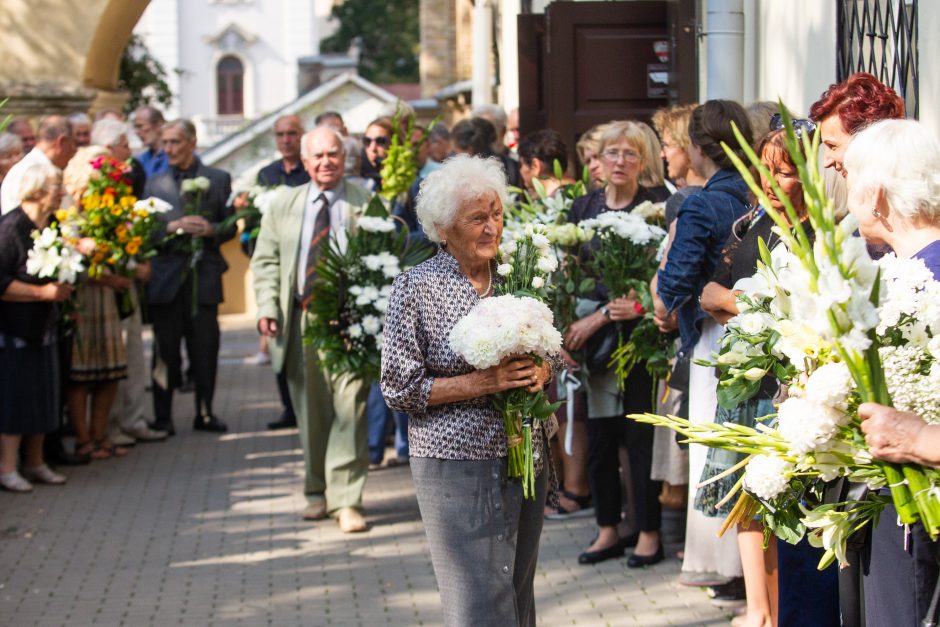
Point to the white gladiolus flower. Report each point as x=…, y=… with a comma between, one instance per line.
x=42, y=262
x=71, y=264
x=47, y=238
x=754, y=374
x=767, y=476
x=376, y=225
x=538, y=282
x=504, y=269
x=381, y=304
x=354, y=331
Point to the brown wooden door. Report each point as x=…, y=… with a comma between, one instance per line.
x=586, y=63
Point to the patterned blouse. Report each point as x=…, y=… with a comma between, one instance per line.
x=426, y=304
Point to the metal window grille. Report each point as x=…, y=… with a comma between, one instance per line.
x=880, y=37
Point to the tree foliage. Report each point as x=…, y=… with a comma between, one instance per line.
x=388, y=35
x=143, y=77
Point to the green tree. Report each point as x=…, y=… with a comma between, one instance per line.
x=143, y=77
x=388, y=35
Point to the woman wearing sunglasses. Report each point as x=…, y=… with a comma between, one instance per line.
x=375, y=144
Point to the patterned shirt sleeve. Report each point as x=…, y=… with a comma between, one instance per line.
x=405, y=381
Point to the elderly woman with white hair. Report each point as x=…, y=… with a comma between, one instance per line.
x=29, y=399
x=483, y=535
x=893, y=179
x=11, y=151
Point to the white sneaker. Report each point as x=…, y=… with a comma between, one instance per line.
x=43, y=474
x=14, y=482
x=143, y=433
x=261, y=359
x=119, y=438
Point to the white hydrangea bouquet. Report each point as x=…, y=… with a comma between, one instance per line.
x=516, y=322
x=350, y=295
x=856, y=331
x=625, y=261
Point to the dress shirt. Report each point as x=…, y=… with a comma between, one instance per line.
x=153, y=162
x=425, y=305
x=10, y=190
x=339, y=212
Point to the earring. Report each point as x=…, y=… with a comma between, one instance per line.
x=876, y=213
x=443, y=243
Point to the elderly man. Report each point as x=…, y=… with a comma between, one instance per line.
x=56, y=145
x=171, y=289
x=148, y=124
x=23, y=129
x=81, y=129
x=330, y=410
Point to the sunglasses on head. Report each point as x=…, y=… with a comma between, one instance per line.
x=800, y=125
x=381, y=142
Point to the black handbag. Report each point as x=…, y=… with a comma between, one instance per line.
x=600, y=346
x=679, y=379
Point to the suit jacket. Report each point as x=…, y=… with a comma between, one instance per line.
x=274, y=264
x=171, y=262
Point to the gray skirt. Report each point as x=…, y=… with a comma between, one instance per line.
x=484, y=539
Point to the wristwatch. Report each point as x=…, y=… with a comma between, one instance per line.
x=605, y=311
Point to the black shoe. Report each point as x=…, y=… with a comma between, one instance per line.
x=163, y=426
x=61, y=457
x=186, y=386
x=209, y=423
x=287, y=420
x=729, y=594
x=638, y=561
x=594, y=557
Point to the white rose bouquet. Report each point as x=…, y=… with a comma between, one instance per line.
x=193, y=190
x=517, y=322
x=350, y=297
x=858, y=331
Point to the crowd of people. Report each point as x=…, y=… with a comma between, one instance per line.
x=483, y=535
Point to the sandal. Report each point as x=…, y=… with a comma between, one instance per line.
x=84, y=450
x=584, y=503
x=105, y=448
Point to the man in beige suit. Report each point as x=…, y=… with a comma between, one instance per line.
x=330, y=410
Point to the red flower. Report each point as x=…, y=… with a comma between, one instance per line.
x=115, y=176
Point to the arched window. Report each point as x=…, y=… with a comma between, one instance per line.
x=230, y=80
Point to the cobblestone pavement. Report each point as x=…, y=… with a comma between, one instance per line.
x=206, y=530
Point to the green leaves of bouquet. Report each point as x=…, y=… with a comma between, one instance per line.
x=350, y=295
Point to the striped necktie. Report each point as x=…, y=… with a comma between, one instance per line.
x=321, y=233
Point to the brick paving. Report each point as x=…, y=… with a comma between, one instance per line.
x=206, y=530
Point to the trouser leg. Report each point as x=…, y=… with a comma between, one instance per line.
x=347, y=453
x=646, y=506
x=604, y=437
x=202, y=346
x=284, y=391
x=167, y=323
x=401, y=434
x=378, y=424
x=127, y=411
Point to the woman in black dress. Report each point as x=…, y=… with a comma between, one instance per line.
x=29, y=379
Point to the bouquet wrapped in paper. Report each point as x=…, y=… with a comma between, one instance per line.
x=853, y=331
x=516, y=322
x=350, y=295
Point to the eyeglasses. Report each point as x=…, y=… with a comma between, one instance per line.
x=629, y=156
x=800, y=125
x=381, y=142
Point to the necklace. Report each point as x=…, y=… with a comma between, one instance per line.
x=489, y=280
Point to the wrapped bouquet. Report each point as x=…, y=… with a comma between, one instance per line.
x=516, y=322
x=350, y=297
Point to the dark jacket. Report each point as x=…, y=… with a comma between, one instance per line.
x=170, y=265
x=29, y=321
x=702, y=228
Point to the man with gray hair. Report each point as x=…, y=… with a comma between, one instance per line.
x=495, y=115
x=330, y=410
x=186, y=287
x=148, y=124
x=23, y=129
x=56, y=146
x=81, y=129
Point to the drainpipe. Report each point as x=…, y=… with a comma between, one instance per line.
x=482, y=81
x=725, y=24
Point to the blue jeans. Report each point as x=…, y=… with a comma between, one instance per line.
x=379, y=414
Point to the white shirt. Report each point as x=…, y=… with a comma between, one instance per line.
x=339, y=213
x=10, y=190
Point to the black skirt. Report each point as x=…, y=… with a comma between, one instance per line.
x=29, y=387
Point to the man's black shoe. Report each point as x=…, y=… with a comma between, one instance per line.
x=163, y=426
x=209, y=423
x=287, y=420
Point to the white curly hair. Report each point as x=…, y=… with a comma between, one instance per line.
x=461, y=180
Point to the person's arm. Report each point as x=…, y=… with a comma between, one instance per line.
x=899, y=436
x=511, y=373
x=266, y=265
x=21, y=292
x=678, y=279
x=719, y=302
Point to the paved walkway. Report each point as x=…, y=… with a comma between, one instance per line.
x=205, y=530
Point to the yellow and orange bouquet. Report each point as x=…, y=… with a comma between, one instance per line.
x=121, y=226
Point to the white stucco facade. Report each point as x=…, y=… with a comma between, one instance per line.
x=190, y=37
